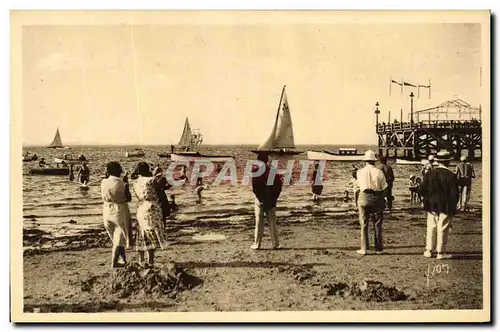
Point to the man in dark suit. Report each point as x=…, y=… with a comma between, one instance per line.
x=440, y=191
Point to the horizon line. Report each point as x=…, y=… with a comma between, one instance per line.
x=168, y=145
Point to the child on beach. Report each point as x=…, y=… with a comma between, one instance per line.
x=173, y=206
x=346, y=197
x=413, y=189
x=199, y=188
x=414, y=186
x=353, y=184
x=418, y=182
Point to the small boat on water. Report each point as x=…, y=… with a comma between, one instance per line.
x=136, y=153
x=342, y=154
x=57, y=142
x=49, y=171
x=190, y=143
x=281, y=140
x=68, y=159
x=29, y=157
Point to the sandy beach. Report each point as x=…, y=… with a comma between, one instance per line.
x=317, y=260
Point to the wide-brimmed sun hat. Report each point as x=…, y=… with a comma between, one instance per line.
x=463, y=158
x=443, y=155
x=431, y=157
x=369, y=156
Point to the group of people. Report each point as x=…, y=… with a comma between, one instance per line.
x=149, y=233
x=439, y=189
x=464, y=173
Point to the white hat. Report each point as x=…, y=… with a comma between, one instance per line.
x=369, y=156
x=463, y=158
x=431, y=157
x=424, y=161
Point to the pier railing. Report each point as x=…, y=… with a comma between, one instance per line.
x=449, y=124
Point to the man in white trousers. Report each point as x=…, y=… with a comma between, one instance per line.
x=440, y=191
x=266, y=197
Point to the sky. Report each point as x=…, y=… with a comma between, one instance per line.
x=117, y=84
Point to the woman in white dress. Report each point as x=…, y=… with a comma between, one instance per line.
x=151, y=234
x=116, y=214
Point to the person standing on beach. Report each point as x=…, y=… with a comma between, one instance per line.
x=440, y=191
x=266, y=197
x=316, y=187
x=371, y=202
x=161, y=184
x=389, y=177
x=151, y=233
x=116, y=214
x=465, y=173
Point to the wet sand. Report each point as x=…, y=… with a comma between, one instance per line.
x=313, y=271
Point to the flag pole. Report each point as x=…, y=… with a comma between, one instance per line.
x=390, y=85
x=429, y=88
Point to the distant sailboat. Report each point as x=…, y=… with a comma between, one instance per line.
x=190, y=143
x=281, y=140
x=190, y=140
x=57, y=142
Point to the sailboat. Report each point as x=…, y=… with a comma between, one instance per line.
x=190, y=143
x=57, y=142
x=280, y=141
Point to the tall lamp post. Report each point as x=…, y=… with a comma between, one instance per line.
x=377, y=112
x=411, y=107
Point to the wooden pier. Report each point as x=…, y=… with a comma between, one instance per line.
x=453, y=125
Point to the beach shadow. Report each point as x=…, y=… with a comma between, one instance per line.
x=420, y=253
x=406, y=247
x=94, y=306
x=466, y=253
x=238, y=264
x=467, y=257
x=316, y=248
x=468, y=233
